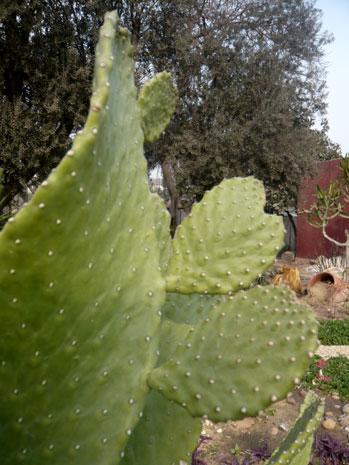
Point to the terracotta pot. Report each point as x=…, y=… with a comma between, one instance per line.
x=328, y=286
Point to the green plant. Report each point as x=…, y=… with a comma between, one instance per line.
x=334, y=378
x=334, y=332
x=112, y=346
x=236, y=450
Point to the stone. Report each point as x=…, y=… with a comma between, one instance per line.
x=291, y=400
x=344, y=420
x=274, y=431
x=346, y=408
x=329, y=414
x=284, y=427
x=329, y=424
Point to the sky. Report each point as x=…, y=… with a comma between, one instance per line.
x=335, y=19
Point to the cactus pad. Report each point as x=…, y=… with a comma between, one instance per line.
x=295, y=449
x=189, y=309
x=166, y=434
x=78, y=305
x=248, y=353
x=226, y=241
x=162, y=220
x=157, y=101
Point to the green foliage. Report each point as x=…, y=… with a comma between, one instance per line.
x=260, y=123
x=45, y=82
x=336, y=372
x=83, y=283
x=334, y=332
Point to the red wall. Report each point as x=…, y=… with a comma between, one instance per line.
x=310, y=241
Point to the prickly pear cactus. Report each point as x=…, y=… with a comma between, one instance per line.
x=80, y=306
x=98, y=363
x=295, y=449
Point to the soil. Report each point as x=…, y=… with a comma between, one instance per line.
x=230, y=439
x=327, y=310
x=237, y=437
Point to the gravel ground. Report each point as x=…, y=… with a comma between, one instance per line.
x=333, y=351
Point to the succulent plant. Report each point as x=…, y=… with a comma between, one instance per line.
x=116, y=340
x=296, y=448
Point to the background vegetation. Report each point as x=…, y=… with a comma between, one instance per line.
x=249, y=73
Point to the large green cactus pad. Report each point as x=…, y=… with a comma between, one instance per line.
x=157, y=101
x=248, y=353
x=78, y=305
x=226, y=241
x=295, y=449
x=166, y=434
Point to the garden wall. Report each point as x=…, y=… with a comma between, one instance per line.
x=310, y=242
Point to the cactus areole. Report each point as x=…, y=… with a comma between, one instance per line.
x=115, y=339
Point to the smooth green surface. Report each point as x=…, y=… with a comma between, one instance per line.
x=79, y=290
x=295, y=449
x=226, y=241
x=166, y=434
x=246, y=354
x=189, y=309
x=334, y=332
x=162, y=220
x=157, y=101
x=172, y=335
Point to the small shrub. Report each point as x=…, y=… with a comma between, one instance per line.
x=334, y=332
x=329, y=451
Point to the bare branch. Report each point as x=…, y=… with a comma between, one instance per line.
x=331, y=239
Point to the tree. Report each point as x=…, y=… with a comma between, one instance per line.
x=248, y=74
x=45, y=77
x=255, y=88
